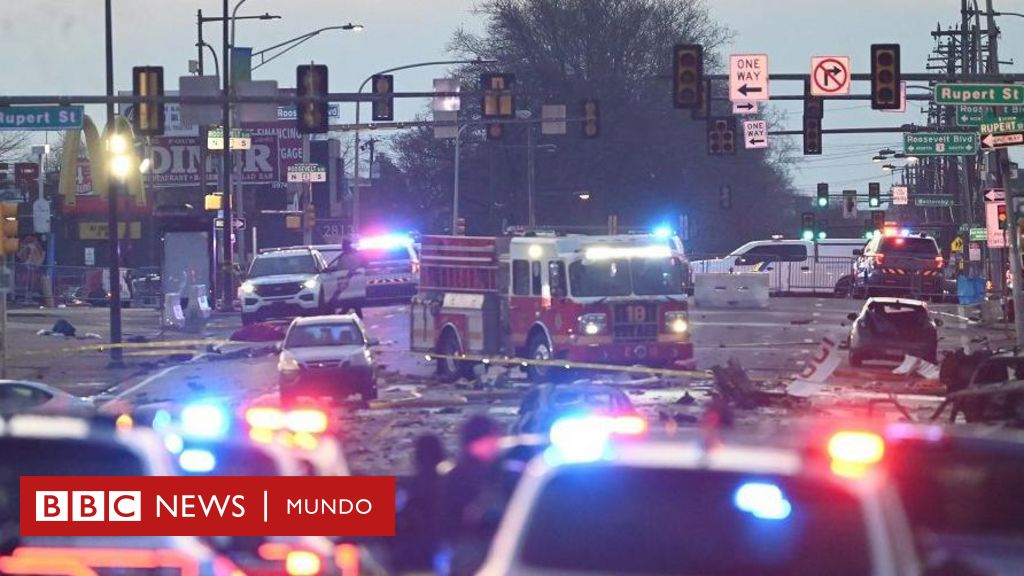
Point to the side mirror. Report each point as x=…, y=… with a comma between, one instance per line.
x=371, y=342
x=741, y=261
x=852, y=316
x=858, y=252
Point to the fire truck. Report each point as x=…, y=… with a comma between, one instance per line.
x=614, y=299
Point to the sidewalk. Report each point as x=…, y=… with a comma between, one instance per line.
x=78, y=364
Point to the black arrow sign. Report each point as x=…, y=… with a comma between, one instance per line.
x=756, y=141
x=832, y=74
x=747, y=106
x=747, y=89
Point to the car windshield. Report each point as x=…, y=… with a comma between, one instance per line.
x=954, y=489
x=896, y=319
x=281, y=265
x=626, y=276
x=693, y=522
x=917, y=247
x=309, y=335
x=54, y=457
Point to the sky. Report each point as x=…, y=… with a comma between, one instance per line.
x=56, y=47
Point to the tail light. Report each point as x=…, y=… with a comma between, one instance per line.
x=415, y=266
x=310, y=421
x=852, y=453
x=302, y=563
x=879, y=259
x=346, y=557
x=939, y=261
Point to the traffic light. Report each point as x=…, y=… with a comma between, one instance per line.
x=807, y=225
x=700, y=112
x=822, y=201
x=591, y=118
x=148, y=82
x=460, y=227
x=309, y=216
x=384, y=109
x=814, y=106
x=8, y=229
x=874, y=195
x=849, y=204
x=725, y=197
x=721, y=134
x=311, y=82
x=687, y=75
x=498, y=101
x=885, y=77
x=1001, y=216
x=814, y=111
x=878, y=219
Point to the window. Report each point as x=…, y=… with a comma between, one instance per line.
x=773, y=253
x=535, y=279
x=556, y=275
x=520, y=278
x=15, y=397
x=310, y=335
x=916, y=247
x=275, y=265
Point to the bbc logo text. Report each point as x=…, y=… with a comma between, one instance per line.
x=89, y=506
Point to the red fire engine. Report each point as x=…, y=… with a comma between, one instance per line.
x=607, y=299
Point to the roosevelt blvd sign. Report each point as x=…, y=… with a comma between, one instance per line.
x=979, y=94
x=940, y=143
x=978, y=115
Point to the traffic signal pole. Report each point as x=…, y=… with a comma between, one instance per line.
x=113, y=191
x=227, y=278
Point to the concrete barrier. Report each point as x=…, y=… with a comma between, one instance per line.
x=723, y=290
x=174, y=316
x=197, y=309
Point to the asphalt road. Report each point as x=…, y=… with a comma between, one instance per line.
x=772, y=343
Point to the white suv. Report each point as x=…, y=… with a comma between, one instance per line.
x=298, y=282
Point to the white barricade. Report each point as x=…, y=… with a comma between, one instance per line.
x=723, y=290
x=198, y=301
x=174, y=317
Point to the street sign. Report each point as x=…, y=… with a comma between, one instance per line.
x=755, y=134
x=974, y=252
x=748, y=77
x=552, y=119
x=993, y=141
x=830, y=75
x=744, y=107
x=957, y=245
x=995, y=195
x=900, y=196
x=978, y=234
x=1002, y=124
x=995, y=236
x=978, y=115
x=236, y=223
x=933, y=201
x=979, y=94
x=307, y=173
x=42, y=117
x=240, y=139
x=940, y=143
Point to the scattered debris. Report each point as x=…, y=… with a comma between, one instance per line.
x=260, y=332
x=800, y=322
x=686, y=399
x=449, y=410
x=64, y=328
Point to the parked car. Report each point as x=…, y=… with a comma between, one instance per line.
x=298, y=281
x=327, y=356
x=21, y=395
x=543, y=405
x=892, y=328
x=900, y=265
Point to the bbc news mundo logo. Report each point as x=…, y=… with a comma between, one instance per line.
x=89, y=506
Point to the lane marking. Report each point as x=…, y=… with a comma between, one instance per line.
x=145, y=382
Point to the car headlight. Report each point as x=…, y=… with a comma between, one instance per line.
x=593, y=323
x=248, y=287
x=312, y=283
x=676, y=322
x=287, y=363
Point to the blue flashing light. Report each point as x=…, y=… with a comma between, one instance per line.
x=663, y=232
x=161, y=420
x=579, y=438
x=204, y=420
x=174, y=443
x=384, y=242
x=822, y=235
x=905, y=232
x=762, y=500
x=197, y=461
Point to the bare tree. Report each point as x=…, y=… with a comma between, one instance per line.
x=13, y=145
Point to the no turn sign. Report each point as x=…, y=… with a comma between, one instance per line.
x=755, y=134
x=830, y=75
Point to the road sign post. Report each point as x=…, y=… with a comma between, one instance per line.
x=307, y=173
x=940, y=143
x=900, y=196
x=830, y=75
x=748, y=77
x=755, y=134
x=23, y=118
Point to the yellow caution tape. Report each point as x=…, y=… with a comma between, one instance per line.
x=176, y=345
x=564, y=364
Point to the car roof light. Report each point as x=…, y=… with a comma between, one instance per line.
x=273, y=551
x=197, y=460
x=261, y=435
x=266, y=417
x=346, y=558
x=124, y=423
x=306, y=441
x=663, y=232
x=384, y=242
x=853, y=452
x=610, y=252
x=302, y=563
x=161, y=420
x=204, y=420
x=579, y=438
x=308, y=420
x=629, y=425
x=762, y=500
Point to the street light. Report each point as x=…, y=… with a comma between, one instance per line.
x=355, y=167
x=298, y=41
x=888, y=167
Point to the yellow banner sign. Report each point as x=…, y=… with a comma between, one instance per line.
x=100, y=231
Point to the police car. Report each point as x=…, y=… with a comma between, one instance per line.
x=592, y=505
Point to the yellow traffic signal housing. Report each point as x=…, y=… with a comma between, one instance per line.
x=687, y=75
x=498, y=101
x=8, y=229
x=293, y=221
x=311, y=82
x=383, y=109
x=214, y=201
x=885, y=77
x=309, y=216
x=148, y=81
x=591, y=118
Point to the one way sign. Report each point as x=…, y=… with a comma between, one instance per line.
x=748, y=77
x=755, y=134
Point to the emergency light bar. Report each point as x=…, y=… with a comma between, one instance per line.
x=612, y=253
x=384, y=242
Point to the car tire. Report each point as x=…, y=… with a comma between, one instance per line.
x=844, y=287
x=448, y=370
x=539, y=348
x=856, y=359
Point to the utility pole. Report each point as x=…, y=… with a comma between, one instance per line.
x=531, y=170
x=306, y=197
x=227, y=282
x=1000, y=169
x=113, y=191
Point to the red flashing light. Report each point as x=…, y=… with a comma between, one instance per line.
x=879, y=259
x=629, y=425
x=852, y=453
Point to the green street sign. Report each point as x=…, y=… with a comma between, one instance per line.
x=41, y=117
x=932, y=201
x=978, y=115
x=940, y=143
x=1002, y=124
x=979, y=94
x=979, y=234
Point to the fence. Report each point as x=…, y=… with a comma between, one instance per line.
x=78, y=285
